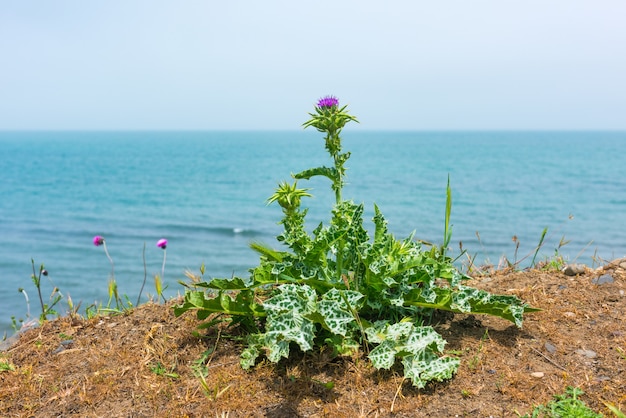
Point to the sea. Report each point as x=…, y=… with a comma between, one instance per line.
x=206, y=193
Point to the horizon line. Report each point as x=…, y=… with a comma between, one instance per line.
x=120, y=130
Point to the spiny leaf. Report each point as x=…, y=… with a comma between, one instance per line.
x=418, y=348
x=267, y=252
x=336, y=308
x=423, y=368
x=466, y=299
x=292, y=298
x=234, y=283
x=241, y=305
x=329, y=172
x=384, y=355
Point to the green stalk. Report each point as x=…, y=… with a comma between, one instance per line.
x=447, y=231
x=341, y=241
x=37, y=281
x=543, y=236
x=338, y=199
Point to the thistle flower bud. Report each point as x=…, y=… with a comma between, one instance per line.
x=328, y=101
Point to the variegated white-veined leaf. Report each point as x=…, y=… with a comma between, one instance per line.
x=418, y=347
x=423, y=338
x=251, y=353
x=352, y=297
x=248, y=357
x=390, y=282
x=423, y=368
x=286, y=321
x=376, y=332
x=278, y=350
x=337, y=307
x=464, y=297
x=383, y=356
x=300, y=299
x=293, y=328
x=397, y=332
x=278, y=268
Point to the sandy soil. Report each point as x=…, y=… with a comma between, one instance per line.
x=147, y=363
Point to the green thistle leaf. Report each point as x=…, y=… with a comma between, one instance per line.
x=418, y=348
x=336, y=308
x=426, y=367
x=384, y=355
x=329, y=172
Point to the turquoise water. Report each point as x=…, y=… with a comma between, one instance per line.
x=205, y=192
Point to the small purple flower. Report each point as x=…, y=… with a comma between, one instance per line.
x=162, y=243
x=98, y=240
x=327, y=101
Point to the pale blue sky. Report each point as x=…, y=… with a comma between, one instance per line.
x=156, y=64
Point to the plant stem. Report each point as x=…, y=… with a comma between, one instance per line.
x=145, y=273
x=338, y=193
x=27, y=302
x=334, y=151
x=339, y=261
x=113, y=282
x=163, y=266
x=163, y=270
x=104, y=244
x=37, y=280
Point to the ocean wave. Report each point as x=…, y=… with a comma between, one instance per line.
x=209, y=230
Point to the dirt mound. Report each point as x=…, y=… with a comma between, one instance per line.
x=149, y=363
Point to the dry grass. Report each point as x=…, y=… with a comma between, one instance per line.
x=147, y=363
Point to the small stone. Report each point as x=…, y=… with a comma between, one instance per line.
x=623, y=265
x=550, y=348
x=537, y=375
x=63, y=346
x=587, y=353
x=58, y=349
x=604, y=279
x=9, y=342
x=574, y=269
x=569, y=314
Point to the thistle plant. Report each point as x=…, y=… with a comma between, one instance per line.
x=25, y=323
x=158, y=280
x=339, y=288
x=55, y=296
x=113, y=291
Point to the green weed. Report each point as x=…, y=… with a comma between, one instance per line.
x=5, y=366
x=564, y=406
x=160, y=370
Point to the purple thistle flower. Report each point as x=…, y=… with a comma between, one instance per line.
x=162, y=243
x=327, y=101
x=98, y=240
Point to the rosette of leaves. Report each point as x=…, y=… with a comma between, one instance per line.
x=340, y=288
